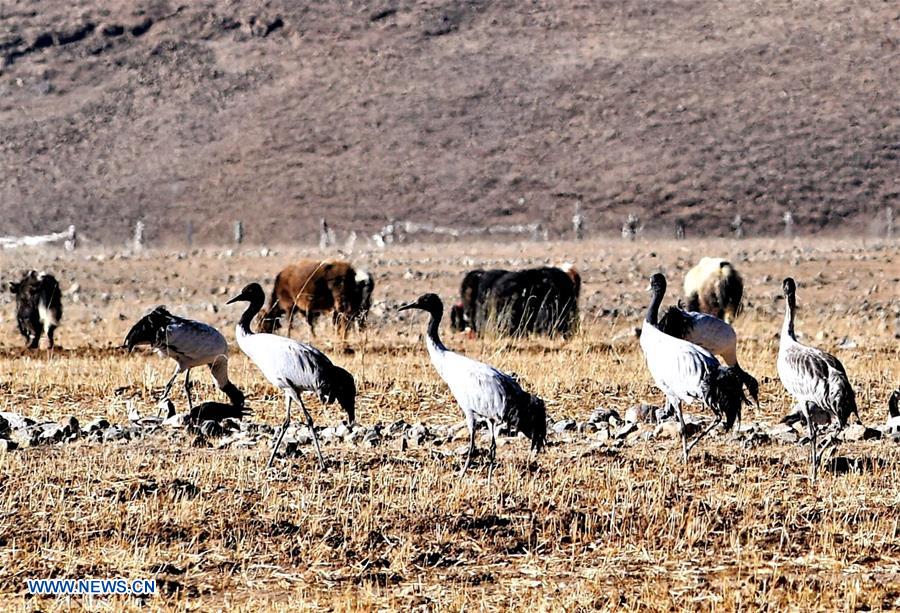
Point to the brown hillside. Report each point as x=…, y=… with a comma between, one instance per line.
x=465, y=112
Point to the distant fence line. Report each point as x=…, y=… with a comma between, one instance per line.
x=404, y=231
x=68, y=238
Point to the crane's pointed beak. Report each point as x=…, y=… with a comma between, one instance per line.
x=408, y=305
x=237, y=298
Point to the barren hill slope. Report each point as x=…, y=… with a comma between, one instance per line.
x=465, y=112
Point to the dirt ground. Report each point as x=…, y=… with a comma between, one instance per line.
x=462, y=112
x=587, y=525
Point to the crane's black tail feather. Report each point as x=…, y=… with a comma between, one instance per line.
x=726, y=395
x=217, y=411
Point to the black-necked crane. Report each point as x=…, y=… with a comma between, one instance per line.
x=713, y=334
x=482, y=392
x=190, y=343
x=816, y=379
x=687, y=373
x=893, y=420
x=292, y=367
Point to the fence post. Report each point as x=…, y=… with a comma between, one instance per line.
x=630, y=227
x=139, y=235
x=578, y=222
x=323, y=234
x=737, y=226
x=238, y=232
x=889, y=214
x=788, y=224
x=72, y=241
x=679, y=230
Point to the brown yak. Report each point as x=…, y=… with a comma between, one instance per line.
x=312, y=287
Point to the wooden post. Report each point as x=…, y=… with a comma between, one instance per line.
x=889, y=226
x=630, y=227
x=679, y=230
x=578, y=222
x=323, y=234
x=72, y=241
x=737, y=226
x=139, y=235
x=238, y=233
x=788, y=224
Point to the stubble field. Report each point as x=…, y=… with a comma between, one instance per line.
x=592, y=523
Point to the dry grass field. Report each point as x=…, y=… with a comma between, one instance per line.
x=588, y=525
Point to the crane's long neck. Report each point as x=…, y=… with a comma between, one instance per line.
x=787, y=329
x=652, y=315
x=247, y=318
x=433, y=338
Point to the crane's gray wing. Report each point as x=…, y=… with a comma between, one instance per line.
x=191, y=339
x=803, y=372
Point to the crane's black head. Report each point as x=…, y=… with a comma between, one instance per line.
x=658, y=283
x=145, y=331
x=790, y=291
x=894, y=404
x=789, y=287
x=533, y=422
x=426, y=302
x=342, y=387
x=252, y=293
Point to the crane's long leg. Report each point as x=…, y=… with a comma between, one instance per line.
x=168, y=389
x=704, y=433
x=187, y=389
x=493, y=452
x=471, y=424
x=684, y=446
x=312, y=429
x=813, y=457
x=284, y=427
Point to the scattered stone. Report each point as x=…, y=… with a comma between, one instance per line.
x=603, y=415
x=16, y=421
x=784, y=433
x=357, y=435
x=859, y=432
x=211, y=429
x=587, y=427
x=397, y=428
x=755, y=439
x=643, y=414
x=7, y=445
x=46, y=434
x=459, y=430
x=113, y=433
x=564, y=425
x=97, y=425
x=372, y=438
x=70, y=426
x=625, y=430
x=668, y=429
x=417, y=434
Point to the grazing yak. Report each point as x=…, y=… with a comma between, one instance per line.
x=713, y=286
x=313, y=287
x=536, y=300
x=38, y=306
